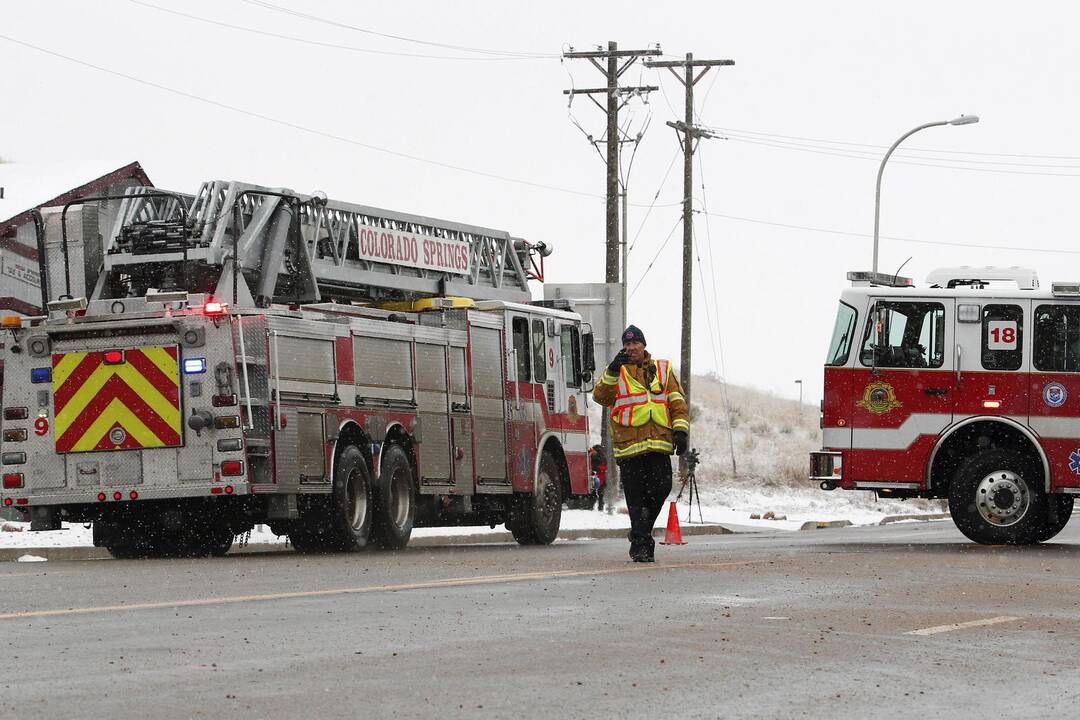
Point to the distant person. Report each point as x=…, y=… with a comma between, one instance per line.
x=649, y=422
x=599, y=472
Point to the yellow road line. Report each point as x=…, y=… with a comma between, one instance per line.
x=430, y=584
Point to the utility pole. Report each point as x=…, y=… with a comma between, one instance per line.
x=689, y=135
x=617, y=63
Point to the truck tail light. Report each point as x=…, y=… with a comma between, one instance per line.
x=15, y=435
x=13, y=481
x=232, y=467
x=13, y=458
x=227, y=422
x=224, y=400
x=16, y=413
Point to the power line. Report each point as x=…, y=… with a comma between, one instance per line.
x=851, y=155
x=831, y=231
x=403, y=38
x=913, y=159
x=883, y=147
x=309, y=130
x=653, y=203
x=653, y=261
x=318, y=43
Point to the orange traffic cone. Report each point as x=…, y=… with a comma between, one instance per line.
x=673, y=534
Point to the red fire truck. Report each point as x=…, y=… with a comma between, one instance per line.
x=364, y=372
x=968, y=389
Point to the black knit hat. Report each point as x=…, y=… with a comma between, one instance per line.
x=633, y=333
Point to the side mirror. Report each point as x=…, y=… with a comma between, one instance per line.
x=588, y=357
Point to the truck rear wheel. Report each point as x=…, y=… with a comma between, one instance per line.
x=341, y=522
x=536, y=517
x=996, y=498
x=395, y=507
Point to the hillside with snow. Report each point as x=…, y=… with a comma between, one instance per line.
x=754, y=449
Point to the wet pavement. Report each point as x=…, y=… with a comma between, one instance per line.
x=906, y=620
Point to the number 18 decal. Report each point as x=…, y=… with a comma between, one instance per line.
x=1001, y=335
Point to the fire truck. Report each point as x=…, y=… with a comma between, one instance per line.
x=967, y=390
x=250, y=355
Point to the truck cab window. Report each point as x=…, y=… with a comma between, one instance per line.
x=539, y=351
x=904, y=335
x=520, y=328
x=571, y=355
x=843, y=333
x=1056, y=347
x=1002, y=337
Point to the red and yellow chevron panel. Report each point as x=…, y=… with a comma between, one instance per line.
x=129, y=405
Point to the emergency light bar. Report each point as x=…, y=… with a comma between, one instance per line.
x=1069, y=289
x=865, y=277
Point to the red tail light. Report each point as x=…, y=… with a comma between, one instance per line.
x=216, y=490
x=102, y=497
x=134, y=495
x=232, y=467
x=113, y=357
x=117, y=495
x=228, y=489
x=7, y=502
x=13, y=481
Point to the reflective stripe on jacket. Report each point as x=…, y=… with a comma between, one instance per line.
x=654, y=434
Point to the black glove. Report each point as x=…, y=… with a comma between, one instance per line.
x=681, y=441
x=621, y=358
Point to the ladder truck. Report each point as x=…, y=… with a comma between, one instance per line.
x=250, y=355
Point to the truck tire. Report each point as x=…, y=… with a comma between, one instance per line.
x=395, y=500
x=1058, y=511
x=342, y=521
x=996, y=498
x=536, y=517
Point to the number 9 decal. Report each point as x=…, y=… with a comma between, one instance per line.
x=41, y=426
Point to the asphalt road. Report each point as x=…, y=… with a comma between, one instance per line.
x=905, y=620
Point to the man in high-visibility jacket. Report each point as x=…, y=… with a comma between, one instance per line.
x=649, y=422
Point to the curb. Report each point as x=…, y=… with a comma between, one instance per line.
x=822, y=524
x=927, y=517
x=97, y=553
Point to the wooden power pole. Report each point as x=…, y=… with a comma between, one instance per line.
x=689, y=135
x=618, y=61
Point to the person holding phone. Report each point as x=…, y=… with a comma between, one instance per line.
x=649, y=422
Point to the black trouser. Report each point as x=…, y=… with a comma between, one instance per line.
x=646, y=481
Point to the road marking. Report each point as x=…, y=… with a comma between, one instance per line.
x=960, y=626
x=431, y=584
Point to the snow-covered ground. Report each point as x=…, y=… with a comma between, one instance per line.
x=754, y=457
x=17, y=535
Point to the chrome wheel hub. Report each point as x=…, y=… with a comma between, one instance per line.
x=1002, y=498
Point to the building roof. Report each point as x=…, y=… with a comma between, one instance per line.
x=47, y=196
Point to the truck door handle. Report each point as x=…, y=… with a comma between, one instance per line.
x=935, y=391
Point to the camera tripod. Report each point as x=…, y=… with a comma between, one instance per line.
x=692, y=459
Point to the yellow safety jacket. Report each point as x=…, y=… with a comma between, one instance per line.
x=647, y=405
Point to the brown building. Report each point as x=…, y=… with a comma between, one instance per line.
x=20, y=283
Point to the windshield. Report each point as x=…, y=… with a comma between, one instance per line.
x=840, y=345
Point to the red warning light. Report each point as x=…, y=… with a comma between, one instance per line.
x=117, y=495
x=215, y=308
x=113, y=357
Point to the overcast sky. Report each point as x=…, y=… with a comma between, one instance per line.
x=818, y=92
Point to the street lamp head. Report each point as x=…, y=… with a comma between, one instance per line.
x=965, y=120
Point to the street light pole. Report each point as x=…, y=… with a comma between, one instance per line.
x=799, y=383
x=962, y=120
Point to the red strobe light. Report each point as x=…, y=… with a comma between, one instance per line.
x=215, y=308
x=113, y=357
x=232, y=467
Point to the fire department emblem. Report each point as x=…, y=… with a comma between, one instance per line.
x=1055, y=394
x=879, y=398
